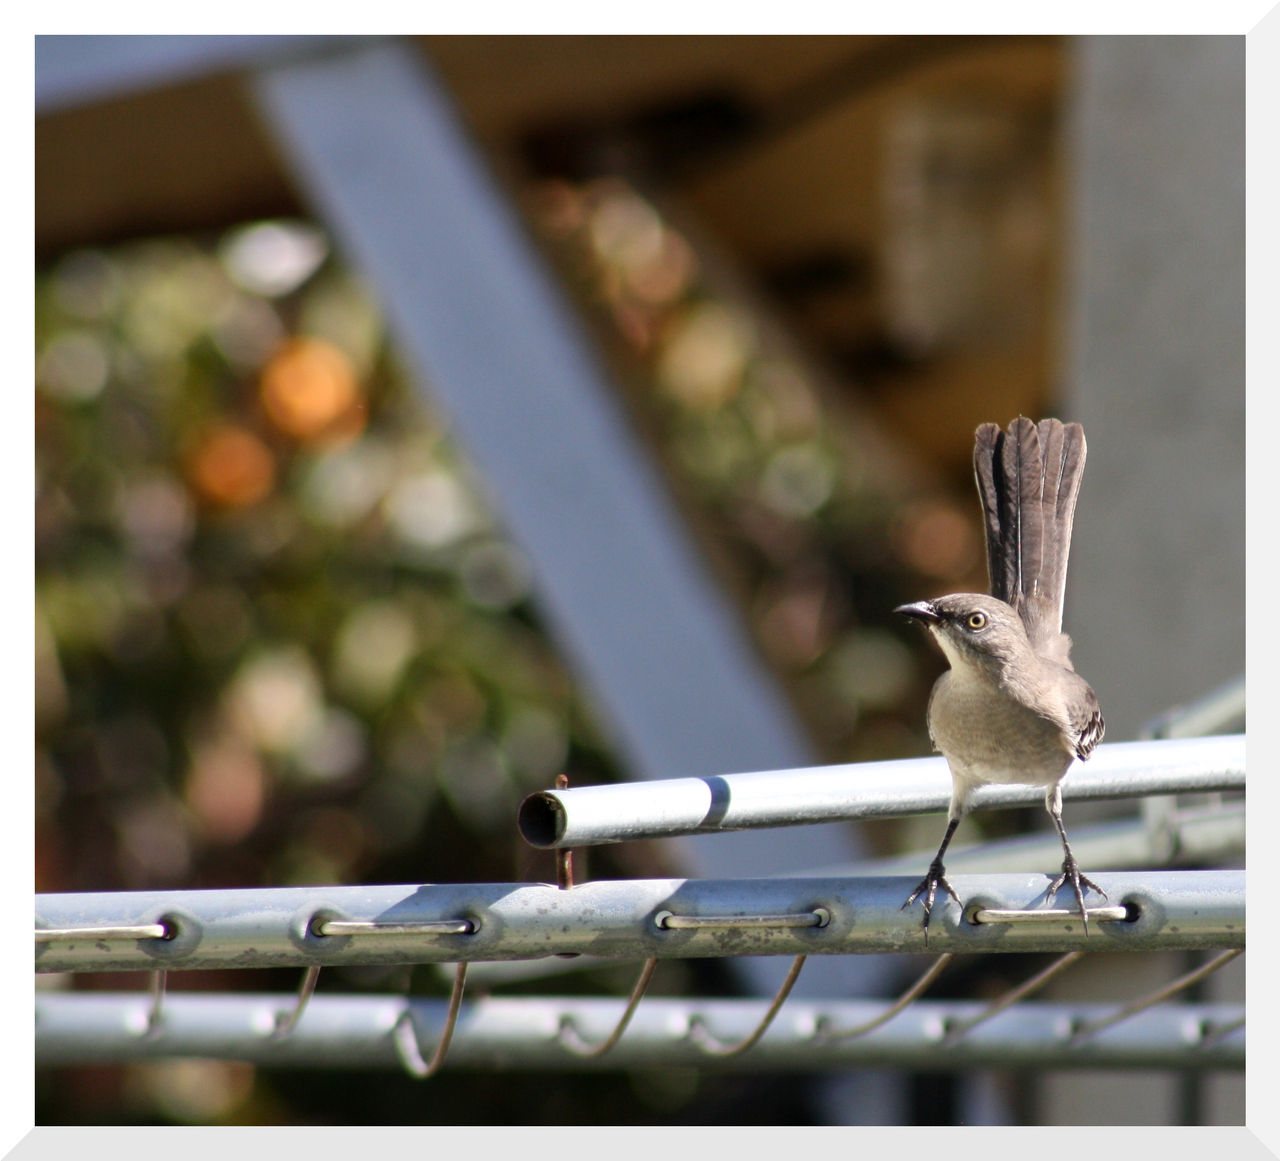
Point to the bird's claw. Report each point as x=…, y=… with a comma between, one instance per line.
x=1079, y=884
x=929, y=889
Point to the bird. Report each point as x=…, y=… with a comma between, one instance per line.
x=1010, y=707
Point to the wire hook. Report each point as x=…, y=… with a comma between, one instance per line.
x=702, y=1037
x=571, y=1039
x=1092, y=1027
x=907, y=997
x=287, y=1021
x=154, y=1014
x=956, y=1029
x=405, y=1036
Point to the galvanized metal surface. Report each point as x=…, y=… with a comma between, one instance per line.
x=77, y=70
x=603, y=814
x=621, y=920
x=1200, y=836
x=1219, y=711
x=360, y=1032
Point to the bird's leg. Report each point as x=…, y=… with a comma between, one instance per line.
x=1070, y=869
x=934, y=879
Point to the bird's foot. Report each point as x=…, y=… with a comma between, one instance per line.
x=929, y=889
x=1079, y=884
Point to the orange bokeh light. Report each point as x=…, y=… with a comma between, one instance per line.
x=231, y=466
x=310, y=392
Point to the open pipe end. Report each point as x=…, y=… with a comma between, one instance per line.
x=541, y=820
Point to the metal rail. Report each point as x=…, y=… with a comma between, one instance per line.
x=361, y=1032
x=631, y=919
x=605, y=814
x=1200, y=836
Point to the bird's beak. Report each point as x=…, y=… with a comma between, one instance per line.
x=920, y=611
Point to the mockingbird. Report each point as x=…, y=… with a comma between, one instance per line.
x=1010, y=708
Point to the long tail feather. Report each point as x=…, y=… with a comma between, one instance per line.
x=1028, y=478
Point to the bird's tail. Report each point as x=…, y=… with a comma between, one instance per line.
x=1028, y=479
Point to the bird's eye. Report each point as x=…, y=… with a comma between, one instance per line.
x=977, y=621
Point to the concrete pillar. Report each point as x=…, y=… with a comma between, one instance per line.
x=1155, y=369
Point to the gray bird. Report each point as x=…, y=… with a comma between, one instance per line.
x=1011, y=708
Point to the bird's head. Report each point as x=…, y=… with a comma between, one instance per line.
x=973, y=629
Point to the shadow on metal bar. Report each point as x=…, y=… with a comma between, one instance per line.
x=406, y=1037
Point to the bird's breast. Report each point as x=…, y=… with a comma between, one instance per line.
x=987, y=737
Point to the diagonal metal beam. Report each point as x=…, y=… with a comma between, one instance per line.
x=378, y=150
x=78, y=70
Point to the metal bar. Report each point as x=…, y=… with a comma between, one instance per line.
x=1191, y=836
x=1173, y=832
x=619, y=920
x=80, y=70
x=1219, y=710
x=604, y=814
x=359, y=1032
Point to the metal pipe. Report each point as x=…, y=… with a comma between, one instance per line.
x=604, y=814
x=1201, y=836
x=1209, y=836
x=359, y=1032
x=1219, y=710
x=629, y=919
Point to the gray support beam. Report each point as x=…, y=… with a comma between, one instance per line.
x=377, y=148
x=77, y=70
x=1156, y=369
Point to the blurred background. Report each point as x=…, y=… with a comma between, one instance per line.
x=342, y=549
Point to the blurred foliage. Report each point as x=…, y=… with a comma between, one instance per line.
x=281, y=639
